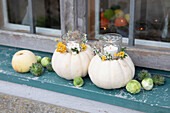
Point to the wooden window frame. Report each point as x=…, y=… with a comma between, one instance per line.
x=32, y=27
x=75, y=13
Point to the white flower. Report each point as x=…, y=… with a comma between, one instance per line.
x=73, y=45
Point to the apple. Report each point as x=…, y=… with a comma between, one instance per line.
x=22, y=60
x=119, y=13
x=127, y=17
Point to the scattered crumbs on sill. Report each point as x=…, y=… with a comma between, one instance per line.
x=4, y=62
x=78, y=87
x=5, y=72
x=125, y=95
x=23, y=79
x=72, y=86
x=166, y=89
x=7, y=54
x=35, y=78
x=140, y=100
x=166, y=106
x=2, y=71
x=155, y=89
x=29, y=77
x=70, y=83
x=144, y=101
x=110, y=94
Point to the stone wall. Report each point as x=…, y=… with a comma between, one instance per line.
x=13, y=104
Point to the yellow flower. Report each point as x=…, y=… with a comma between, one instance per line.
x=59, y=43
x=116, y=55
x=84, y=47
x=103, y=58
x=61, y=47
x=122, y=54
x=57, y=39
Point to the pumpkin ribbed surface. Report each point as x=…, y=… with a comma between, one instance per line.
x=69, y=66
x=111, y=74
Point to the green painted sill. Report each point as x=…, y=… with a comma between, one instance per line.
x=157, y=100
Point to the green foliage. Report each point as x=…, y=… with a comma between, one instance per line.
x=78, y=81
x=49, y=67
x=75, y=50
x=38, y=59
x=147, y=83
x=143, y=74
x=36, y=69
x=45, y=61
x=70, y=30
x=123, y=49
x=158, y=80
x=133, y=86
x=108, y=56
x=123, y=56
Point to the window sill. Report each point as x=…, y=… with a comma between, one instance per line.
x=28, y=41
x=156, y=100
x=141, y=56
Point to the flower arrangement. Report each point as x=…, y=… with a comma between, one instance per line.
x=73, y=42
x=108, y=56
x=61, y=47
x=110, y=47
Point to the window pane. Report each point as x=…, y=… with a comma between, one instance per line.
x=17, y=11
x=112, y=16
x=152, y=20
x=47, y=13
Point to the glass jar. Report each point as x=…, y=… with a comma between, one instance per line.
x=111, y=43
x=72, y=36
x=72, y=40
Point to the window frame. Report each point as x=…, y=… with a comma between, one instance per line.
x=74, y=16
x=17, y=27
x=130, y=40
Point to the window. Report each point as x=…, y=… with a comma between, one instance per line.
x=45, y=15
x=149, y=27
x=152, y=23
x=143, y=31
x=112, y=15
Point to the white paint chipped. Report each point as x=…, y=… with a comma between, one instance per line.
x=60, y=99
x=35, y=78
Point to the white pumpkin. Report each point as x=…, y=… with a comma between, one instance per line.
x=69, y=66
x=111, y=74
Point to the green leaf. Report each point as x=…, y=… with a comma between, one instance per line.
x=75, y=50
x=123, y=49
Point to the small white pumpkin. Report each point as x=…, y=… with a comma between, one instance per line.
x=111, y=74
x=69, y=66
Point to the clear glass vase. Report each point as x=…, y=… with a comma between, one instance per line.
x=72, y=40
x=111, y=44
